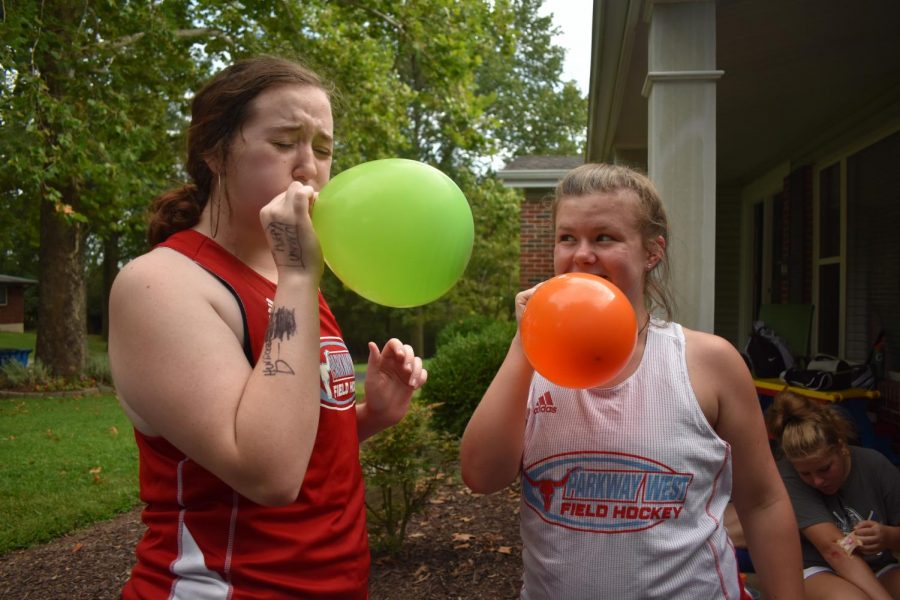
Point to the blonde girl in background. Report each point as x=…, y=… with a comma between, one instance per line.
x=846, y=498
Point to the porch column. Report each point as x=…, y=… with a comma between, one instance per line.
x=681, y=98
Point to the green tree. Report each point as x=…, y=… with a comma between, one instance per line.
x=481, y=82
x=93, y=106
x=534, y=111
x=91, y=96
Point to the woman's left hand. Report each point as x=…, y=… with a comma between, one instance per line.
x=392, y=375
x=873, y=536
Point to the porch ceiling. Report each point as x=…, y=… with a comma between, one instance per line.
x=798, y=74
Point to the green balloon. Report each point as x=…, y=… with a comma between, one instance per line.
x=395, y=231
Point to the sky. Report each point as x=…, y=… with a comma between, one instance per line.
x=573, y=18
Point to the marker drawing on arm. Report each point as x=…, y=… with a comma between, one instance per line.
x=282, y=325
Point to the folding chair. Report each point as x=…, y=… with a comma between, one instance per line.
x=793, y=323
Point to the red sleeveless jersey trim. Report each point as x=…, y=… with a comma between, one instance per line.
x=205, y=540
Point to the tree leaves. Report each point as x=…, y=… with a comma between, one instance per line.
x=94, y=104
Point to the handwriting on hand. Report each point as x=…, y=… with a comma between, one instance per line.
x=286, y=244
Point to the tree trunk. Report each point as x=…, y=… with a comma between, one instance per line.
x=61, y=342
x=418, y=332
x=110, y=270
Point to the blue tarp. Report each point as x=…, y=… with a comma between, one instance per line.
x=14, y=354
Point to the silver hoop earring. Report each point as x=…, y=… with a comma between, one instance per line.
x=216, y=217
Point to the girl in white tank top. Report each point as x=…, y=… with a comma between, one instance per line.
x=624, y=486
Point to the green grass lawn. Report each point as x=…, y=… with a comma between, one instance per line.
x=9, y=339
x=64, y=463
x=95, y=344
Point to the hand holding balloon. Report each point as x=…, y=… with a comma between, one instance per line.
x=395, y=231
x=286, y=221
x=521, y=301
x=578, y=330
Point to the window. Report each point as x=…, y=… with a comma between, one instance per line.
x=769, y=267
x=829, y=261
x=873, y=250
x=857, y=258
x=830, y=212
x=4, y=298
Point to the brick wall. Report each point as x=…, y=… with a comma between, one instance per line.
x=14, y=311
x=535, y=238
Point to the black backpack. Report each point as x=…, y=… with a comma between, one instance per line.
x=767, y=355
x=820, y=379
x=829, y=373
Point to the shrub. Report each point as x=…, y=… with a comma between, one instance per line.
x=15, y=375
x=97, y=368
x=402, y=466
x=36, y=377
x=465, y=326
x=461, y=371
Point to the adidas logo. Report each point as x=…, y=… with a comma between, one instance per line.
x=545, y=404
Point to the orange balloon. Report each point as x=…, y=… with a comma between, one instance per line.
x=578, y=330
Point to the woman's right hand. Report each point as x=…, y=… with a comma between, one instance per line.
x=289, y=230
x=492, y=444
x=522, y=299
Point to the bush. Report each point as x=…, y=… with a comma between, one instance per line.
x=15, y=375
x=462, y=327
x=36, y=377
x=461, y=371
x=97, y=369
x=402, y=466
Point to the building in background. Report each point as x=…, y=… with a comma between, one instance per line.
x=12, y=302
x=772, y=129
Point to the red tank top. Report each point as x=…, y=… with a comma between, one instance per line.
x=204, y=540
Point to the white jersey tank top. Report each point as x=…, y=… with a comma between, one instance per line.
x=624, y=489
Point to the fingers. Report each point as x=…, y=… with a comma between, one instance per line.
x=419, y=374
x=522, y=299
x=869, y=533
x=288, y=226
x=374, y=355
x=411, y=364
x=403, y=360
x=295, y=202
x=866, y=528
